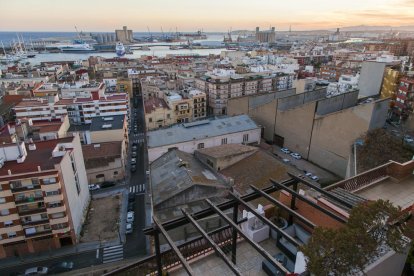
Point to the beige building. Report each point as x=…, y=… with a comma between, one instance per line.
x=309, y=123
x=105, y=161
x=157, y=114
x=124, y=85
x=44, y=195
x=181, y=107
x=124, y=35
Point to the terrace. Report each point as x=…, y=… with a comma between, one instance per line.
x=250, y=242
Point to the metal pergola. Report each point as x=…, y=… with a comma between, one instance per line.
x=234, y=203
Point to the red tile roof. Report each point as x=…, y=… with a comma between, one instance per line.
x=42, y=157
x=153, y=103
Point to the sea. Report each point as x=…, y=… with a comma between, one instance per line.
x=155, y=49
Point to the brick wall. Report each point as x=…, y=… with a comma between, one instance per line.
x=311, y=213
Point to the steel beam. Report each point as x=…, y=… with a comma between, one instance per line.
x=323, y=210
x=168, y=225
x=322, y=191
x=265, y=220
x=234, y=235
x=284, y=207
x=256, y=246
x=212, y=243
x=173, y=246
x=158, y=253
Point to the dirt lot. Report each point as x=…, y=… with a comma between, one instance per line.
x=103, y=219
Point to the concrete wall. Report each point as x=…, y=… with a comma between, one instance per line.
x=222, y=163
x=191, y=146
x=78, y=202
x=370, y=80
x=379, y=114
x=295, y=126
x=333, y=135
x=109, y=135
x=238, y=106
x=333, y=104
x=108, y=171
x=391, y=263
x=265, y=116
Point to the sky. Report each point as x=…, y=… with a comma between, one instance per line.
x=192, y=15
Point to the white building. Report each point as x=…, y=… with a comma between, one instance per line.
x=44, y=195
x=189, y=137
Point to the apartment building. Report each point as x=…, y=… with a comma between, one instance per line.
x=44, y=195
x=222, y=85
x=390, y=83
x=404, y=97
x=79, y=110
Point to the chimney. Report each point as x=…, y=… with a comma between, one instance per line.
x=39, y=169
x=32, y=146
x=9, y=172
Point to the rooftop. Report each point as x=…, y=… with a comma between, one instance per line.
x=226, y=150
x=153, y=103
x=40, y=157
x=392, y=181
x=97, y=155
x=177, y=171
x=199, y=130
x=108, y=122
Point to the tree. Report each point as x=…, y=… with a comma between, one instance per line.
x=379, y=148
x=347, y=250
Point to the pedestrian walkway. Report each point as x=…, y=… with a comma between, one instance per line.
x=113, y=254
x=137, y=189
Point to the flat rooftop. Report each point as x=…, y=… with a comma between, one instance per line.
x=199, y=130
x=398, y=193
x=102, y=123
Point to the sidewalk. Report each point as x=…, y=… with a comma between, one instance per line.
x=56, y=253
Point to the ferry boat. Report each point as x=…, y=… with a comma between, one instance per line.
x=76, y=47
x=120, y=49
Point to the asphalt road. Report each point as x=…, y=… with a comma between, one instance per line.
x=135, y=242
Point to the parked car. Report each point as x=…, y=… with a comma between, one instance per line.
x=131, y=206
x=296, y=155
x=285, y=160
x=130, y=217
x=38, y=270
x=147, y=172
x=134, y=147
x=93, y=187
x=285, y=150
x=128, y=228
x=131, y=197
x=134, y=154
x=133, y=168
x=133, y=161
x=408, y=139
x=314, y=178
x=61, y=267
x=107, y=184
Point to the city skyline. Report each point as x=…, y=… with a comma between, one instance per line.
x=185, y=15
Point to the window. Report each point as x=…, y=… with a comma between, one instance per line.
x=2, y=200
x=168, y=116
x=100, y=175
x=224, y=141
x=58, y=215
x=5, y=212
x=51, y=180
x=54, y=204
x=200, y=146
x=150, y=120
x=115, y=172
x=8, y=223
x=245, y=137
x=11, y=234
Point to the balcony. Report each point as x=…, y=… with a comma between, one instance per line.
x=37, y=222
x=59, y=220
x=25, y=188
x=32, y=211
x=53, y=198
x=61, y=231
x=56, y=209
x=39, y=234
x=28, y=200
